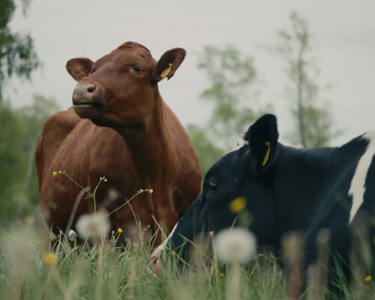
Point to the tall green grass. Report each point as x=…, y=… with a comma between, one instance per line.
x=106, y=271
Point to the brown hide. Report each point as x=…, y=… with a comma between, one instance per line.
x=120, y=128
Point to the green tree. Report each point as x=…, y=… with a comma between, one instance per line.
x=18, y=135
x=33, y=118
x=17, y=54
x=206, y=149
x=312, y=122
x=12, y=160
x=231, y=76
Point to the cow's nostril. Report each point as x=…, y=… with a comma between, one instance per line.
x=91, y=88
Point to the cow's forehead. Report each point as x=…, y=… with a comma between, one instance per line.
x=132, y=46
x=224, y=165
x=129, y=51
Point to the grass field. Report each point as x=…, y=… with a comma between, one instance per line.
x=30, y=269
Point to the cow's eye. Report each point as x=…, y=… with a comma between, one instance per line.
x=212, y=184
x=137, y=69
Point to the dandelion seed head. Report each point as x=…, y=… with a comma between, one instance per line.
x=93, y=226
x=72, y=235
x=235, y=245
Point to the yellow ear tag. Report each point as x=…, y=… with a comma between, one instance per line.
x=267, y=154
x=166, y=71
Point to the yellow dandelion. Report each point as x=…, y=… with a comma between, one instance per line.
x=119, y=230
x=54, y=173
x=237, y=204
x=151, y=191
x=367, y=278
x=50, y=258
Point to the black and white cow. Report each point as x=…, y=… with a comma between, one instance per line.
x=287, y=189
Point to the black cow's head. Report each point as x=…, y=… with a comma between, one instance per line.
x=235, y=187
x=282, y=189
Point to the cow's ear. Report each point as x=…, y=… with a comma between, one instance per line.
x=262, y=137
x=168, y=64
x=79, y=67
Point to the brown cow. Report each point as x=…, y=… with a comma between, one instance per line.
x=125, y=132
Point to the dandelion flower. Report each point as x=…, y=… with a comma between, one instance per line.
x=235, y=245
x=151, y=191
x=50, y=258
x=93, y=226
x=237, y=204
x=367, y=278
x=54, y=173
x=119, y=230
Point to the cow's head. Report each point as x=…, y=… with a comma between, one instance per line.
x=241, y=178
x=119, y=90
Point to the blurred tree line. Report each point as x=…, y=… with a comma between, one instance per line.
x=235, y=102
x=20, y=129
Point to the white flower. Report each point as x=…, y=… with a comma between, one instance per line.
x=93, y=226
x=72, y=235
x=235, y=245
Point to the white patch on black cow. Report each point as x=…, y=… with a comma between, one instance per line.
x=357, y=186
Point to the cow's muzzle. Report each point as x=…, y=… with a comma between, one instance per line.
x=87, y=95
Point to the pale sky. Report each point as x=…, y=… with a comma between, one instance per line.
x=343, y=40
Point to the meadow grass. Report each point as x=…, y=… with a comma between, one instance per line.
x=106, y=271
x=103, y=270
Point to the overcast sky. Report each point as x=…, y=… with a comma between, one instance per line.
x=343, y=41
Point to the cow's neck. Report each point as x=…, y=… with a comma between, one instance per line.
x=305, y=179
x=150, y=151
